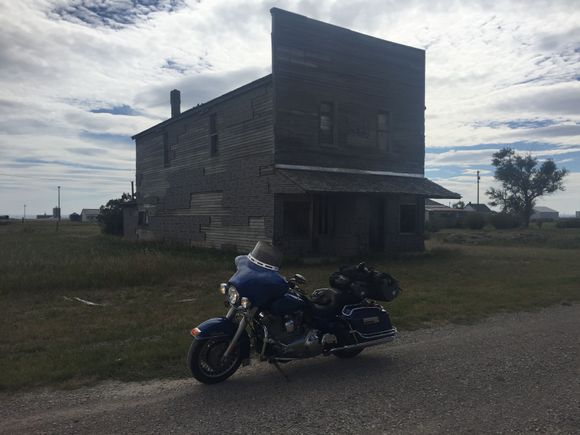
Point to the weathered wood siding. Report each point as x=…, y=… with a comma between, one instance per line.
x=314, y=62
x=221, y=200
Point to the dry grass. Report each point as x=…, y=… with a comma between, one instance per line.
x=152, y=295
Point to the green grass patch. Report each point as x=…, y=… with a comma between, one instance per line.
x=153, y=294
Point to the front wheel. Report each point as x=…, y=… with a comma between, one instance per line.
x=206, y=362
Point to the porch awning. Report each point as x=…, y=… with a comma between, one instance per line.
x=319, y=181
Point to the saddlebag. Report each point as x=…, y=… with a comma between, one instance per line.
x=363, y=282
x=369, y=321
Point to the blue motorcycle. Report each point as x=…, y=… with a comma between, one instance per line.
x=274, y=317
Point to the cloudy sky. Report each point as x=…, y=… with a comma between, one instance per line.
x=79, y=77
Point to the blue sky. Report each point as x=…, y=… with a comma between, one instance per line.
x=80, y=77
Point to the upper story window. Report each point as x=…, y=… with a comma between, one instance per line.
x=213, y=135
x=326, y=123
x=166, y=150
x=383, y=129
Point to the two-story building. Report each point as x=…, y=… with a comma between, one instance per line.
x=324, y=156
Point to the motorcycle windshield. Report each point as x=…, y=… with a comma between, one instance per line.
x=258, y=284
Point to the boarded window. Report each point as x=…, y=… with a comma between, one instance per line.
x=296, y=218
x=166, y=150
x=408, y=218
x=213, y=135
x=326, y=124
x=383, y=129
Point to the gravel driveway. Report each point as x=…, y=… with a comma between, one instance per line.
x=510, y=373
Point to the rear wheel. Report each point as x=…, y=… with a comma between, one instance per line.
x=206, y=362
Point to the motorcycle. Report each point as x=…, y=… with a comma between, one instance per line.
x=274, y=317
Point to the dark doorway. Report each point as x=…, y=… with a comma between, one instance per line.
x=377, y=225
x=323, y=222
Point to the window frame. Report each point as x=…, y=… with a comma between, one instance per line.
x=332, y=131
x=385, y=132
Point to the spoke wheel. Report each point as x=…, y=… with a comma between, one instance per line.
x=207, y=363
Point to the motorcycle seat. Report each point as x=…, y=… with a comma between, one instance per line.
x=325, y=302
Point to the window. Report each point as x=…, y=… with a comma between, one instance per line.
x=296, y=218
x=143, y=218
x=213, y=135
x=408, y=218
x=166, y=150
x=326, y=123
x=383, y=129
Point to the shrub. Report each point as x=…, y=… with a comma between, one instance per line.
x=474, y=221
x=111, y=215
x=568, y=223
x=504, y=221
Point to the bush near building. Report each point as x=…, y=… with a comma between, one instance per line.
x=568, y=223
x=504, y=221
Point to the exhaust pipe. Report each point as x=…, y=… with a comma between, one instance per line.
x=365, y=344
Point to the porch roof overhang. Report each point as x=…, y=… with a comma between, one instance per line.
x=322, y=181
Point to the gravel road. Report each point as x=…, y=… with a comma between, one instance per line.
x=510, y=373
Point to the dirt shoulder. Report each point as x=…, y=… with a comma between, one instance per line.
x=513, y=372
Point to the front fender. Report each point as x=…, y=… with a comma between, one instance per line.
x=222, y=327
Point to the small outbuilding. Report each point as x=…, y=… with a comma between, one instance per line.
x=544, y=214
x=89, y=215
x=478, y=208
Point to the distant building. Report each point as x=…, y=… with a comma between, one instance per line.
x=545, y=213
x=578, y=214
x=479, y=208
x=89, y=215
x=441, y=215
x=56, y=212
x=44, y=216
x=4, y=217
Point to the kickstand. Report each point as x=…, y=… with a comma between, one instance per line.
x=280, y=370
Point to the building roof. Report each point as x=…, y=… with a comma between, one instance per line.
x=319, y=181
x=204, y=107
x=480, y=208
x=434, y=206
x=541, y=209
x=90, y=211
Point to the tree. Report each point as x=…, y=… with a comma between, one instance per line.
x=523, y=182
x=74, y=217
x=111, y=215
x=459, y=205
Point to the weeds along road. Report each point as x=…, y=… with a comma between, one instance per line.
x=513, y=372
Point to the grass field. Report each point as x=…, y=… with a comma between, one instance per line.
x=151, y=295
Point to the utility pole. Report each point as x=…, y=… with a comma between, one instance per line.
x=59, y=213
x=132, y=190
x=24, y=216
x=478, y=178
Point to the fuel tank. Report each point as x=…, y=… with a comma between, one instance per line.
x=287, y=304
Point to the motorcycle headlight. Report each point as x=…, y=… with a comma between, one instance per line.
x=223, y=288
x=245, y=302
x=233, y=295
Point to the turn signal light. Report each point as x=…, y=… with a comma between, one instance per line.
x=195, y=331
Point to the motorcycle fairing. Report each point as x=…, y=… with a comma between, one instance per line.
x=260, y=285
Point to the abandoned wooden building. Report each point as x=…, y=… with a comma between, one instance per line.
x=324, y=156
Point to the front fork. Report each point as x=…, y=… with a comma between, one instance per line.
x=241, y=327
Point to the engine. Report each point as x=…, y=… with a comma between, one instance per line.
x=291, y=337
